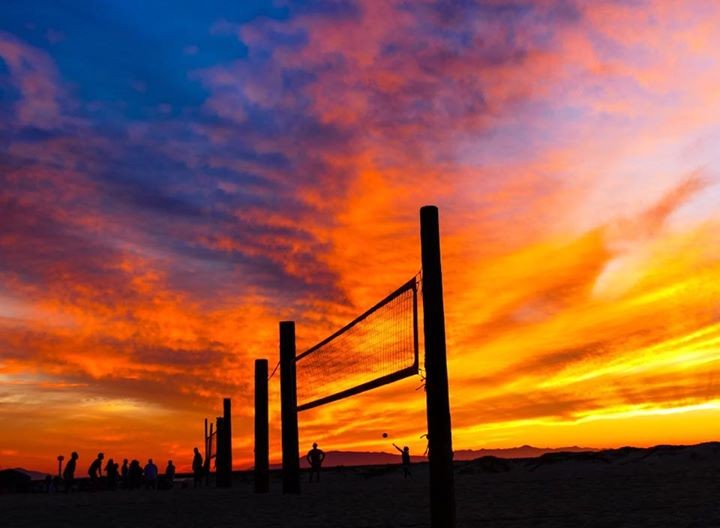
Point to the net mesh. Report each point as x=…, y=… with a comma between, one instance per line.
x=212, y=445
x=378, y=347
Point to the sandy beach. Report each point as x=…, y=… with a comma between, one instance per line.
x=666, y=486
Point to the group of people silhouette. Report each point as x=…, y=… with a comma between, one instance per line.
x=129, y=476
x=132, y=476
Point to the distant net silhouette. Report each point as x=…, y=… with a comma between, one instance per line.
x=211, y=452
x=378, y=347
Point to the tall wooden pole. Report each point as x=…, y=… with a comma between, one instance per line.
x=262, y=447
x=219, y=452
x=224, y=466
x=442, y=487
x=208, y=452
x=207, y=440
x=288, y=404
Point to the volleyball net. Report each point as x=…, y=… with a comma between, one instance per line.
x=376, y=348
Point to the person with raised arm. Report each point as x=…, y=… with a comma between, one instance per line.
x=405, y=454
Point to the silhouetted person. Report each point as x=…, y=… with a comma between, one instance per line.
x=315, y=458
x=134, y=475
x=95, y=470
x=151, y=475
x=111, y=471
x=405, y=454
x=69, y=472
x=124, y=473
x=197, y=467
x=170, y=471
x=427, y=447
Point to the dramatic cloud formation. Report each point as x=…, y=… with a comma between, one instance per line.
x=174, y=183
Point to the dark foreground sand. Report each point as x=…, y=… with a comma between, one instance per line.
x=633, y=488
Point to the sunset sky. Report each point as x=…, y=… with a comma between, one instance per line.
x=175, y=180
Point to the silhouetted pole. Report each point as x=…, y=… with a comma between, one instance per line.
x=224, y=466
x=60, y=459
x=208, y=451
x=262, y=448
x=442, y=487
x=207, y=440
x=219, y=451
x=288, y=404
x=227, y=423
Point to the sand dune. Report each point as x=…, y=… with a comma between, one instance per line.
x=662, y=486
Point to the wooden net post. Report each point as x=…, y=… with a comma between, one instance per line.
x=219, y=451
x=262, y=447
x=442, y=487
x=288, y=404
x=224, y=440
x=208, y=452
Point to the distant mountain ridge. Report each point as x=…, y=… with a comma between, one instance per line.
x=34, y=475
x=371, y=458
x=525, y=451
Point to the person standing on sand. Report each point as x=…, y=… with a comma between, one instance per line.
x=170, y=471
x=134, y=475
x=198, y=470
x=69, y=472
x=315, y=458
x=124, y=473
x=405, y=454
x=111, y=470
x=151, y=475
x=95, y=470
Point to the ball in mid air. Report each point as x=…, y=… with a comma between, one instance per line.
x=384, y=435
